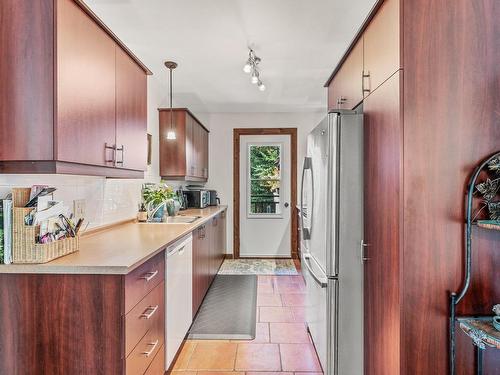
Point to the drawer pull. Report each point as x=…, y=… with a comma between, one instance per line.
x=154, y=345
x=149, y=312
x=149, y=275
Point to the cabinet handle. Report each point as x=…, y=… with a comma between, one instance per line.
x=363, y=76
x=149, y=276
x=148, y=315
x=154, y=345
x=201, y=232
x=113, y=148
x=122, y=150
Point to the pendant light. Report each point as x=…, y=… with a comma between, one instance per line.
x=171, y=132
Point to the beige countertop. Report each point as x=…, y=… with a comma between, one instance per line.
x=120, y=249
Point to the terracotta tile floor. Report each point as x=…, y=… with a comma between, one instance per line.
x=282, y=344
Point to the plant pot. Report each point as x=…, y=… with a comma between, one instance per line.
x=171, y=208
x=158, y=212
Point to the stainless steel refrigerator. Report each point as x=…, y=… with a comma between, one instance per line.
x=331, y=241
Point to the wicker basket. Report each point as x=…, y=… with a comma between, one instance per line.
x=24, y=247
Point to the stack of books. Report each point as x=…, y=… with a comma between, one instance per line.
x=6, y=230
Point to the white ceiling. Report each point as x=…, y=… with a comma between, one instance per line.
x=299, y=41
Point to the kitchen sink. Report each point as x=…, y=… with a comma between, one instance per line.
x=179, y=219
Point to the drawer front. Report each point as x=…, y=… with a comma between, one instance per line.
x=143, y=354
x=157, y=367
x=144, y=316
x=143, y=279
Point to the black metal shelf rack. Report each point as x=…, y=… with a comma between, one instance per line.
x=455, y=298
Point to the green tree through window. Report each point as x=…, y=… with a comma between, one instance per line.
x=265, y=179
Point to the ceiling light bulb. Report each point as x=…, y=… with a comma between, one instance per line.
x=255, y=78
x=171, y=135
x=247, y=68
x=262, y=87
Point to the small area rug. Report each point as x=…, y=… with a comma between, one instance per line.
x=258, y=267
x=228, y=311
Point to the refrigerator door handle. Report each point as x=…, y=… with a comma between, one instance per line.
x=364, y=245
x=323, y=283
x=306, y=232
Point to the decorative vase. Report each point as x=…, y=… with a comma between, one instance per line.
x=177, y=206
x=171, y=207
x=158, y=212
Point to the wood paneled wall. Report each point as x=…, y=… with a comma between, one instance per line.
x=451, y=122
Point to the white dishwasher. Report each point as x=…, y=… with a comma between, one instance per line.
x=178, y=293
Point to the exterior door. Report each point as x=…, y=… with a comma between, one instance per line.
x=265, y=194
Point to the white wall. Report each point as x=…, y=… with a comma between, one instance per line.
x=221, y=127
x=107, y=200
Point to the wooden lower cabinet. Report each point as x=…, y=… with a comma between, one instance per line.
x=200, y=267
x=79, y=325
x=158, y=365
x=209, y=249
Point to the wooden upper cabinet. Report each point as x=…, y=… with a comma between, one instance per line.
x=26, y=80
x=131, y=113
x=345, y=91
x=381, y=41
x=85, y=88
x=85, y=97
x=173, y=155
x=186, y=157
x=204, y=155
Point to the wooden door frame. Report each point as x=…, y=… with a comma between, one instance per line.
x=237, y=133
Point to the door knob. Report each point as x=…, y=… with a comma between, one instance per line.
x=286, y=205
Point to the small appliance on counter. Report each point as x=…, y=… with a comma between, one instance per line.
x=213, y=199
x=196, y=198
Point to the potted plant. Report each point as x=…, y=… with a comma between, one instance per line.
x=156, y=198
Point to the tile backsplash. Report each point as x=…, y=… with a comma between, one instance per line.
x=107, y=200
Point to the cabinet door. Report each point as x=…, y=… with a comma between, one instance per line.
x=207, y=252
x=173, y=151
x=198, y=149
x=383, y=183
x=217, y=250
x=345, y=91
x=199, y=273
x=190, y=147
x=131, y=113
x=222, y=238
x=204, y=154
x=85, y=88
x=381, y=46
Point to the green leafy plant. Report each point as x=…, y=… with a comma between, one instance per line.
x=155, y=195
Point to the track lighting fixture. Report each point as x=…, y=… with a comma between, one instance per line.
x=251, y=67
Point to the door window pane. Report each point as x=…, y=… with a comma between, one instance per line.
x=264, y=179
